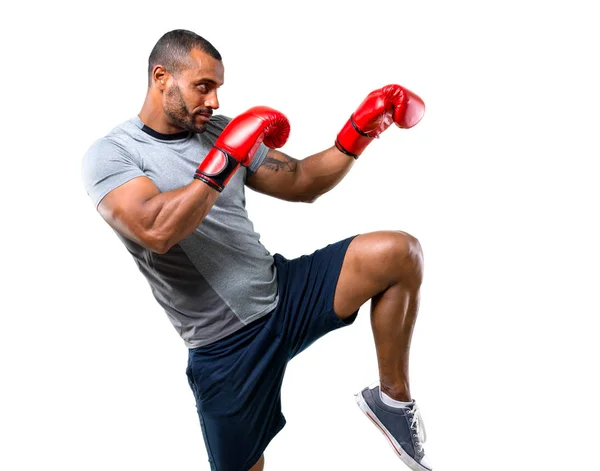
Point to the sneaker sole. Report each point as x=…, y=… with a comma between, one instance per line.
x=403, y=455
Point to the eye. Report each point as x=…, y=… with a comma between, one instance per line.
x=203, y=88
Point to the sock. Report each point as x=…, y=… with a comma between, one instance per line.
x=388, y=401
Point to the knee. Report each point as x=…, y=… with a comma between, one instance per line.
x=406, y=252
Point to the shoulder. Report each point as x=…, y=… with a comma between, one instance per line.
x=111, y=161
x=120, y=140
x=217, y=123
x=213, y=129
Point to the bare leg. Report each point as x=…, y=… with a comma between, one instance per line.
x=386, y=267
x=393, y=316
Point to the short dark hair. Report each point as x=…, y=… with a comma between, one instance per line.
x=172, y=50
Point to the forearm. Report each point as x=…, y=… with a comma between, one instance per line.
x=284, y=177
x=174, y=215
x=163, y=219
x=321, y=172
x=158, y=221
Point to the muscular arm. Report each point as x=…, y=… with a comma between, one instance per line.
x=155, y=220
x=140, y=212
x=304, y=180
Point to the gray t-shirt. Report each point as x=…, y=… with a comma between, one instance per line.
x=220, y=277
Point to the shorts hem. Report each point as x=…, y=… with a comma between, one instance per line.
x=256, y=456
x=347, y=243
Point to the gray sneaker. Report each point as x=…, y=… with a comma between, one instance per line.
x=403, y=427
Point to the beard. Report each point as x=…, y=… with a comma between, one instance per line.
x=178, y=113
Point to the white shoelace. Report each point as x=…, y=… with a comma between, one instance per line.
x=417, y=425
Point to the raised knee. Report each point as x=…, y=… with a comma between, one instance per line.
x=407, y=252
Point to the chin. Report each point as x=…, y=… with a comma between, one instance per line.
x=194, y=126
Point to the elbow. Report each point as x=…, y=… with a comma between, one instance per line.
x=141, y=231
x=301, y=199
x=161, y=249
x=306, y=197
x=157, y=242
x=310, y=199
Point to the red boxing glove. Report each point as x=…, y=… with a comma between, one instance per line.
x=239, y=141
x=375, y=114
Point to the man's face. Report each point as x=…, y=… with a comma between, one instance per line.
x=190, y=97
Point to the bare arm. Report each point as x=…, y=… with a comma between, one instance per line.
x=304, y=180
x=155, y=220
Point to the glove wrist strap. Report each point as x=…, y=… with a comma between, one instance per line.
x=217, y=168
x=351, y=140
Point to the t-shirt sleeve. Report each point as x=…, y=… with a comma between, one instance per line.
x=106, y=166
x=258, y=158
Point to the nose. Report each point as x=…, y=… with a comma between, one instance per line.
x=212, y=100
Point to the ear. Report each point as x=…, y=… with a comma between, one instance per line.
x=159, y=77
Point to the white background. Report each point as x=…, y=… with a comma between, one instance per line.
x=498, y=182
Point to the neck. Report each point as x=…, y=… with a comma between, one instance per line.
x=153, y=116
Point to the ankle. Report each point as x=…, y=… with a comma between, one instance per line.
x=395, y=392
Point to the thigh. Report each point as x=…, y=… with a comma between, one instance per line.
x=237, y=386
x=306, y=291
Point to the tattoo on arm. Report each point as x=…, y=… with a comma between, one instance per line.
x=288, y=164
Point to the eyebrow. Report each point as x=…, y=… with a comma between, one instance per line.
x=205, y=80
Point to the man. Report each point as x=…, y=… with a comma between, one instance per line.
x=170, y=182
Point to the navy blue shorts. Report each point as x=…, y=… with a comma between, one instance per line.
x=237, y=380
